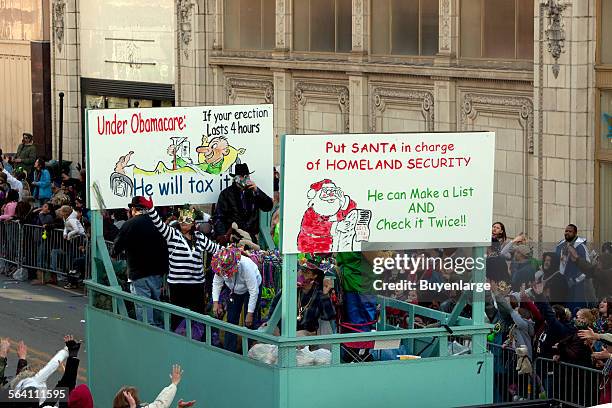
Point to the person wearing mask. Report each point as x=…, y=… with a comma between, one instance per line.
x=147, y=257
x=186, y=248
x=41, y=186
x=241, y=275
x=127, y=397
x=314, y=302
x=240, y=203
x=26, y=154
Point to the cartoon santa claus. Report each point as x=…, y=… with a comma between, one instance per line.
x=328, y=206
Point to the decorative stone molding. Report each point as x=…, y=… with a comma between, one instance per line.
x=473, y=103
x=280, y=24
x=304, y=89
x=382, y=95
x=232, y=85
x=358, y=25
x=184, y=9
x=59, y=9
x=555, y=33
x=445, y=25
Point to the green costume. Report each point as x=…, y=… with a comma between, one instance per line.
x=357, y=275
x=206, y=167
x=27, y=154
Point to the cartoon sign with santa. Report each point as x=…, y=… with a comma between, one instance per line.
x=332, y=222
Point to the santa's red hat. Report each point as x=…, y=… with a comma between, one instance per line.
x=316, y=187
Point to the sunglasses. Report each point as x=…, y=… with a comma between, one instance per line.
x=186, y=220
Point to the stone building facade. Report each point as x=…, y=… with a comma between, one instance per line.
x=526, y=69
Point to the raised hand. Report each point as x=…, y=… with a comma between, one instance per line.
x=22, y=350
x=177, y=374
x=588, y=334
x=5, y=346
x=72, y=345
x=129, y=399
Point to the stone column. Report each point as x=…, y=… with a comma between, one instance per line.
x=187, y=12
x=358, y=103
x=448, y=29
x=283, y=97
x=65, y=78
x=565, y=105
x=445, y=104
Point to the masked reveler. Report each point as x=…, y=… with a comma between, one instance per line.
x=186, y=248
x=241, y=275
x=240, y=203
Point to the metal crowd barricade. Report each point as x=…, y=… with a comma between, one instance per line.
x=508, y=385
x=47, y=250
x=565, y=382
x=11, y=240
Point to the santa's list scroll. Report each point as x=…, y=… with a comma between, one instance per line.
x=388, y=190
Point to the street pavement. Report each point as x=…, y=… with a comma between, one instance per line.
x=41, y=316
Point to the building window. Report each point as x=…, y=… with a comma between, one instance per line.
x=606, y=32
x=500, y=29
x=322, y=25
x=405, y=27
x=249, y=24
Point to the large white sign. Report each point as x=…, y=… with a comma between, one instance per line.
x=176, y=155
x=387, y=190
x=128, y=40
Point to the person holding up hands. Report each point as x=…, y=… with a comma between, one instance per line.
x=186, y=248
x=22, y=352
x=127, y=397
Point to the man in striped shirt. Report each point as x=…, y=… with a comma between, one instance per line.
x=186, y=248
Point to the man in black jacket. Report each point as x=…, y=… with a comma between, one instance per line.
x=147, y=257
x=240, y=203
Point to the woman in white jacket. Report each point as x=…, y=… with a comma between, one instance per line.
x=127, y=397
x=72, y=225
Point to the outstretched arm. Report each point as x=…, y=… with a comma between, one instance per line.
x=164, y=229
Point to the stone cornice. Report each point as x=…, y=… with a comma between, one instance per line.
x=374, y=68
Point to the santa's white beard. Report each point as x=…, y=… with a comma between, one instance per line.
x=326, y=208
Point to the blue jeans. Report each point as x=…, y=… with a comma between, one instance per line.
x=235, y=306
x=149, y=287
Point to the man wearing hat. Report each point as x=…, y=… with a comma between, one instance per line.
x=240, y=203
x=147, y=256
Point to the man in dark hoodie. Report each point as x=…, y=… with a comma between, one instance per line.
x=558, y=324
